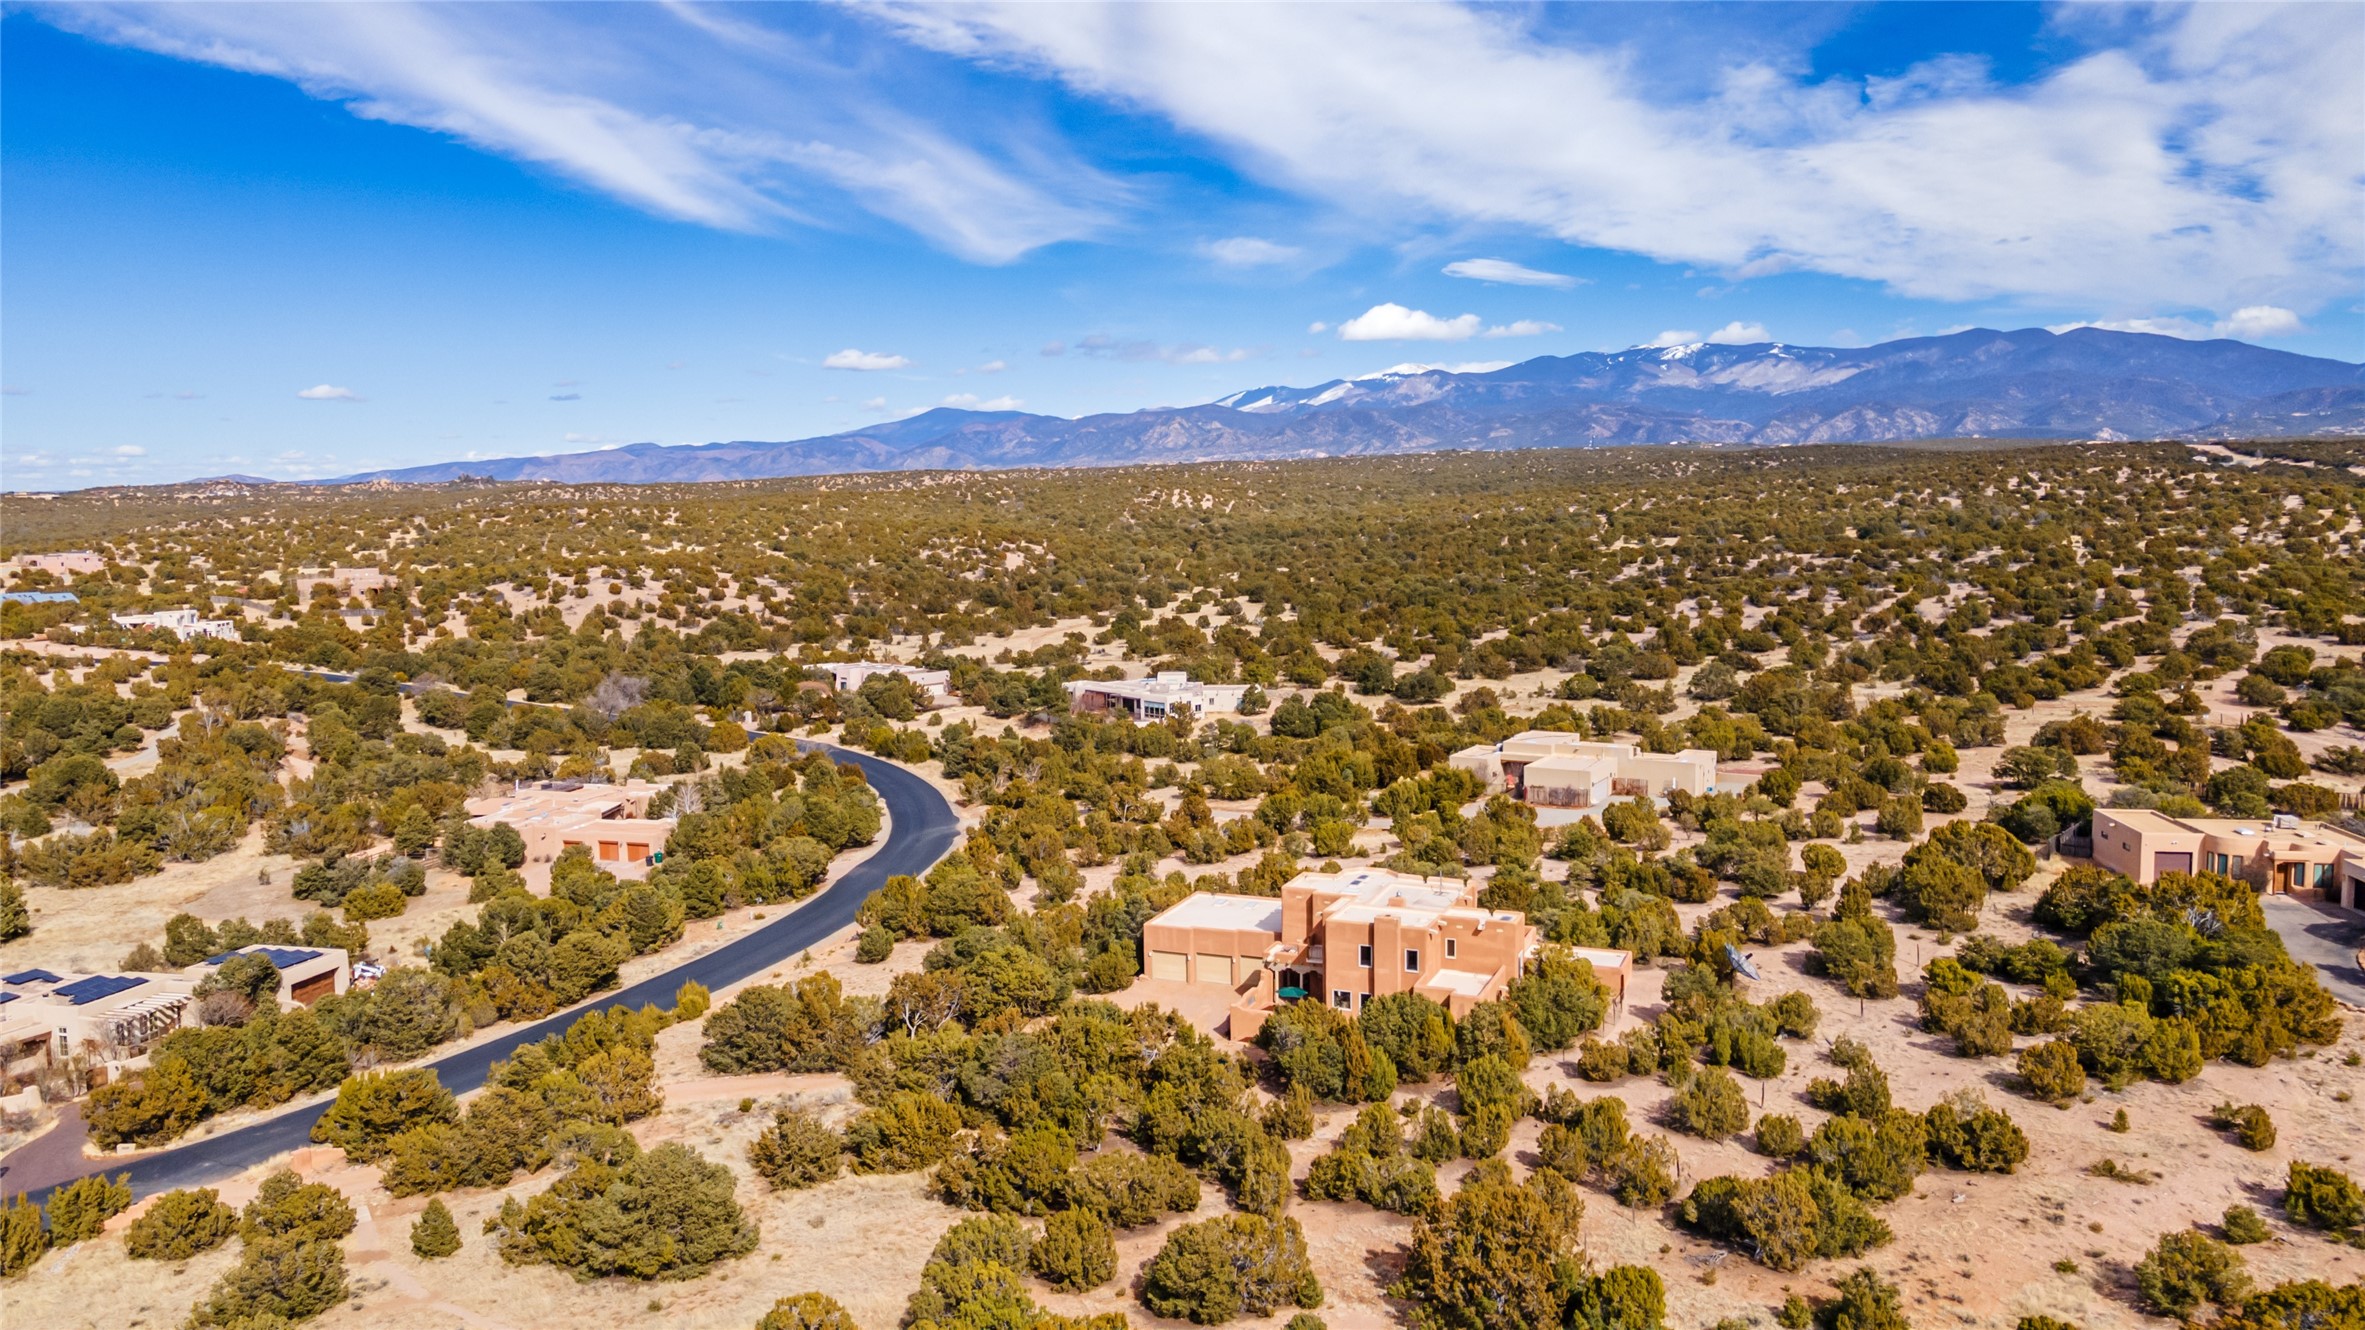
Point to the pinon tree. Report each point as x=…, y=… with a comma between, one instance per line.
x=433, y=1234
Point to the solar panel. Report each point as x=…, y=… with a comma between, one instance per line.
x=280, y=957
x=30, y=977
x=7, y=997
x=97, y=987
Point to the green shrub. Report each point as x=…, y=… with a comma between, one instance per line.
x=2052, y=1072
x=1779, y=1136
x=665, y=1214
x=1291, y=1117
x=1076, y=1252
x=433, y=1234
x=1129, y=1190
x=875, y=945
x=2252, y=1128
x=1236, y=1265
x=286, y=1206
x=796, y=1151
x=1496, y=1252
x=691, y=1001
x=372, y=1106
x=1486, y=1131
x=1711, y=1105
x=1864, y=1302
x=1624, y=1297
x=179, y=1225
x=910, y=1131
x=81, y=1208
x=1642, y=1174
x=2243, y=1226
x=22, y=1237
x=2322, y=1197
x=289, y=1278
x=1967, y=1134
x=2185, y=1269
x=2044, y=1323
x=807, y=1311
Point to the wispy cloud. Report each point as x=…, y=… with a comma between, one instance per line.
x=1523, y=328
x=566, y=397
x=328, y=392
x=971, y=402
x=1250, y=252
x=130, y=450
x=2176, y=162
x=1142, y=349
x=701, y=114
x=865, y=361
x=1735, y=333
x=1506, y=273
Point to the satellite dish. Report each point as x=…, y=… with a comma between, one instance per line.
x=1741, y=964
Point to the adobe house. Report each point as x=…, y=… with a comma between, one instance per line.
x=46, y=1018
x=610, y=821
x=1154, y=698
x=1555, y=769
x=2280, y=856
x=306, y=974
x=936, y=686
x=1347, y=937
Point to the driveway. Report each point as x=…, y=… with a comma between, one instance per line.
x=2325, y=936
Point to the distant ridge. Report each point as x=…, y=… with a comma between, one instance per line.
x=2032, y=383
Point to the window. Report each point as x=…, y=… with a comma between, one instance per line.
x=1363, y=956
x=1412, y=962
x=1341, y=998
x=1449, y=948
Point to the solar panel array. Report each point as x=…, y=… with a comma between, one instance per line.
x=97, y=987
x=280, y=957
x=30, y=977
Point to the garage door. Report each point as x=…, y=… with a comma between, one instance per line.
x=1214, y=969
x=1169, y=965
x=2172, y=863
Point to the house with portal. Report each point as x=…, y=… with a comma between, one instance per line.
x=1555, y=769
x=2282, y=855
x=1346, y=937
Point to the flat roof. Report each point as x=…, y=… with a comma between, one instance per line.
x=1208, y=909
x=1469, y=983
x=283, y=958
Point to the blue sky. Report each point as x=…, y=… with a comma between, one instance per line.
x=302, y=241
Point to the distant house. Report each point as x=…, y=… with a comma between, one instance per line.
x=1154, y=698
x=67, y=563
x=47, y=1018
x=1345, y=938
x=39, y=597
x=609, y=821
x=1553, y=769
x=183, y=624
x=936, y=686
x=306, y=974
x=2284, y=855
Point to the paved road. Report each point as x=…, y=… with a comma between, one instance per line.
x=2326, y=937
x=921, y=829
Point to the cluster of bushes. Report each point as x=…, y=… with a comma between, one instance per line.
x=193, y=1074
x=2197, y=974
x=975, y=1279
x=1591, y=1141
x=1376, y=1164
x=1039, y=1171
x=291, y=1267
x=1821, y=1203
x=618, y=1211
x=596, y=1076
x=1505, y=1252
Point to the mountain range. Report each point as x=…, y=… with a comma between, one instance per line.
x=2086, y=383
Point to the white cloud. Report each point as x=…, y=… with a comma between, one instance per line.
x=1250, y=252
x=868, y=361
x=1523, y=328
x=716, y=118
x=992, y=367
x=1392, y=322
x=1142, y=349
x=130, y=450
x=2167, y=326
x=1505, y=272
x=970, y=402
x=1477, y=366
x=1317, y=326
x=1674, y=337
x=2255, y=321
x=2200, y=156
x=572, y=437
x=874, y=404
x=328, y=392
x=1738, y=332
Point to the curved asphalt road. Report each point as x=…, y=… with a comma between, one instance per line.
x=921, y=829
